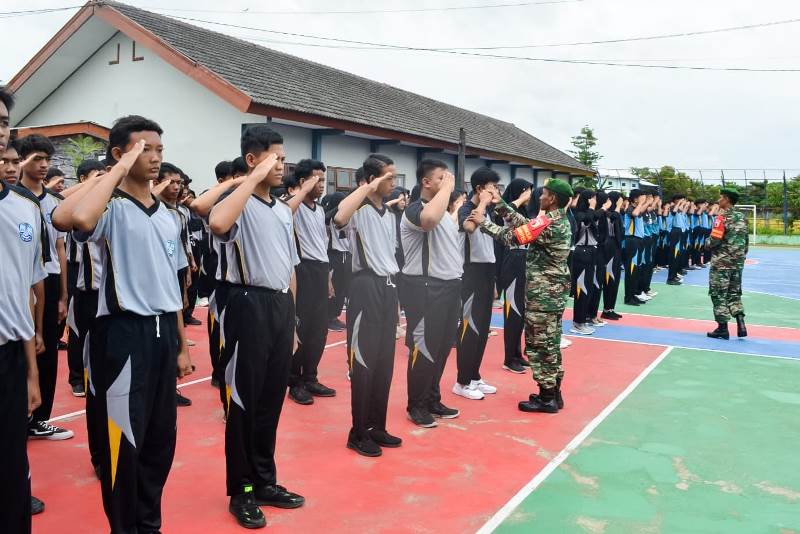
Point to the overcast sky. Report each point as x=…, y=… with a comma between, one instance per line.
x=642, y=117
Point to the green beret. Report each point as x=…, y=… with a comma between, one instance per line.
x=731, y=193
x=559, y=187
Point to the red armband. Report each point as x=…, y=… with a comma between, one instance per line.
x=718, y=230
x=529, y=232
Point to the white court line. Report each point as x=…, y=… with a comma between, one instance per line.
x=190, y=383
x=702, y=320
x=540, y=477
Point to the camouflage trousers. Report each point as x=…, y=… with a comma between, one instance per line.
x=725, y=290
x=543, y=346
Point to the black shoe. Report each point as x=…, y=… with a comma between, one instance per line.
x=182, y=401
x=62, y=345
x=97, y=471
x=300, y=395
x=559, y=398
x=544, y=402
x=741, y=329
x=278, y=497
x=78, y=391
x=318, y=390
x=514, y=366
x=421, y=417
x=721, y=332
x=674, y=282
x=384, y=439
x=441, y=411
x=683, y=272
x=191, y=321
x=632, y=302
x=37, y=506
x=214, y=383
x=611, y=315
x=365, y=446
x=246, y=511
x=524, y=362
x=335, y=325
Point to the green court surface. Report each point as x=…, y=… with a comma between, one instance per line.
x=706, y=443
x=693, y=302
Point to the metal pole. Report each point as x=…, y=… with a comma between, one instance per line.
x=723, y=176
x=785, y=206
x=462, y=157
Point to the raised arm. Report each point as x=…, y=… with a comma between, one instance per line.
x=202, y=205
x=63, y=215
x=434, y=210
x=298, y=198
x=350, y=204
x=225, y=214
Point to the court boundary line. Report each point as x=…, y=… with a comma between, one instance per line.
x=179, y=386
x=501, y=515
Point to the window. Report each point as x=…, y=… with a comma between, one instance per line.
x=623, y=184
x=400, y=180
x=288, y=169
x=341, y=179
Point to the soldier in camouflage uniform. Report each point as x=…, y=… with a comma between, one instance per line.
x=728, y=245
x=547, y=286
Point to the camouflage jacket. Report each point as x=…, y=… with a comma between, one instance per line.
x=546, y=273
x=730, y=251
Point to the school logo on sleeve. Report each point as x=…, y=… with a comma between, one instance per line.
x=170, y=247
x=25, y=232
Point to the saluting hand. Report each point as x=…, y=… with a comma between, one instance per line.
x=523, y=198
x=129, y=158
x=376, y=182
x=262, y=169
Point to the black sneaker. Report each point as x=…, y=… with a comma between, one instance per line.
x=633, y=302
x=182, y=401
x=421, y=417
x=62, y=345
x=214, y=383
x=78, y=391
x=318, y=390
x=37, y=506
x=191, y=321
x=365, y=446
x=674, y=282
x=43, y=430
x=611, y=315
x=279, y=497
x=300, y=395
x=514, y=366
x=384, y=439
x=441, y=411
x=335, y=325
x=246, y=511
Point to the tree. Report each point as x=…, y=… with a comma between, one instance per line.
x=584, y=142
x=80, y=148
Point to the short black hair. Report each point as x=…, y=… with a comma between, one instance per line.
x=13, y=144
x=35, y=143
x=53, y=172
x=634, y=194
x=483, y=176
x=257, y=139
x=306, y=167
x=238, y=166
x=360, y=176
x=374, y=164
x=6, y=98
x=89, y=165
x=169, y=168
x=120, y=134
x=223, y=169
x=427, y=165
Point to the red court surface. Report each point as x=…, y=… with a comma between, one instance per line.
x=446, y=479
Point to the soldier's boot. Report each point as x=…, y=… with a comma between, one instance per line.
x=544, y=402
x=559, y=398
x=721, y=332
x=741, y=328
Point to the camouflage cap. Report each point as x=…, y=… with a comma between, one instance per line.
x=560, y=187
x=731, y=193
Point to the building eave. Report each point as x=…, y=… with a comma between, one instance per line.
x=66, y=130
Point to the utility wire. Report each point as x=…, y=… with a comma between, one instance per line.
x=370, y=11
x=494, y=56
x=23, y=13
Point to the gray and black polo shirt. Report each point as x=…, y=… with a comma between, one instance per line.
x=49, y=201
x=339, y=240
x=139, y=257
x=310, y=233
x=436, y=253
x=477, y=247
x=259, y=249
x=371, y=233
x=25, y=248
x=89, y=266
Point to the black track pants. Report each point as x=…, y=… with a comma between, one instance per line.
x=584, y=264
x=256, y=376
x=477, y=296
x=512, y=283
x=134, y=362
x=85, y=309
x=630, y=254
x=432, y=308
x=216, y=316
x=312, y=320
x=674, y=251
x=612, y=274
x=341, y=273
x=371, y=321
x=48, y=360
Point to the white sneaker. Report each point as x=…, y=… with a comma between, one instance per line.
x=468, y=392
x=565, y=343
x=483, y=387
x=643, y=296
x=651, y=293
x=598, y=322
x=202, y=303
x=578, y=328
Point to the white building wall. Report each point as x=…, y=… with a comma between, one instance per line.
x=504, y=170
x=296, y=141
x=526, y=173
x=344, y=151
x=544, y=176
x=405, y=162
x=200, y=129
